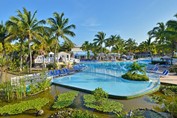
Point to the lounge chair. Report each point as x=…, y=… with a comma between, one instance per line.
x=76, y=68
x=61, y=72
x=153, y=70
x=51, y=73
x=165, y=73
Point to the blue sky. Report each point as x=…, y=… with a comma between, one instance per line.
x=127, y=18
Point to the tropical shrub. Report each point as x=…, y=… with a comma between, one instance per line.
x=171, y=107
x=51, y=66
x=157, y=98
x=105, y=106
x=173, y=69
x=159, y=62
x=11, y=92
x=72, y=113
x=172, y=88
x=135, y=76
x=39, y=86
x=83, y=114
x=65, y=100
x=99, y=95
x=136, y=72
x=18, y=108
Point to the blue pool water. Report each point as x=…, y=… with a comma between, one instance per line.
x=108, y=77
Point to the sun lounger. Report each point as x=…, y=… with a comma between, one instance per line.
x=61, y=72
x=51, y=73
x=153, y=70
x=165, y=73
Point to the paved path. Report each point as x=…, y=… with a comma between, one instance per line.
x=170, y=79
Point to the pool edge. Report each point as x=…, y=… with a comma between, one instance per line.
x=154, y=89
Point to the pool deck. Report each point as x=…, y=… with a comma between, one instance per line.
x=170, y=79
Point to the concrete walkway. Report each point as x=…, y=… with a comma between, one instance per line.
x=170, y=79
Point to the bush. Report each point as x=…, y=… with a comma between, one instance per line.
x=173, y=69
x=159, y=62
x=83, y=114
x=39, y=86
x=18, y=108
x=72, y=113
x=105, y=106
x=135, y=76
x=172, y=88
x=65, y=100
x=51, y=66
x=99, y=95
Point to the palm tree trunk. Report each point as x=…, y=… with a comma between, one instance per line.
x=21, y=59
x=30, y=55
x=55, y=54
x=4, y=50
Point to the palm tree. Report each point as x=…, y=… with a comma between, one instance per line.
x=110, y=42
x=66, y=46
x=17, y=33
x=171, y=33
x=4, y=37
x=158, y=33
x=130, y=45
x=32, y=28
x=119, y=45
x=100, y=40
x=60, y=28
x=87, y=47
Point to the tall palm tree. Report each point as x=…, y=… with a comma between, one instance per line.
x=158, y=33
x=171, y=32
x=32, y=28
x=17, y=33
x=119, y=45
x=60, y=28
x=100, y=40
x=130, y=45
x=4, y=37
x=110, y=42
x=87, y=47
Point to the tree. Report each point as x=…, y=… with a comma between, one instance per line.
x=110, y=42
x=171, y=33
x=100, y=40
x=119, y=45
x=60, y=28
x=130, y=45
x=4, y=37
x=99, y=95
x=32, y=28
x=87, y=47
x=158, y=33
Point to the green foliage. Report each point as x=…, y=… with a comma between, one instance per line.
x=173, y=88
x=173, y=69
x=39, y=86
x=159, y=62
x=135, y=67
x=18, y=108
x=99, y=95
x=72, y=113
x=82, y=114
x=11, y=92
x=135, y=76
x=171, y=107
x=105, y=106
x=51, y=66
x=157, y=98
x=65, y=100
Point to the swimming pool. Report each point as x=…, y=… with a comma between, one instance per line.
x=108, y=77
